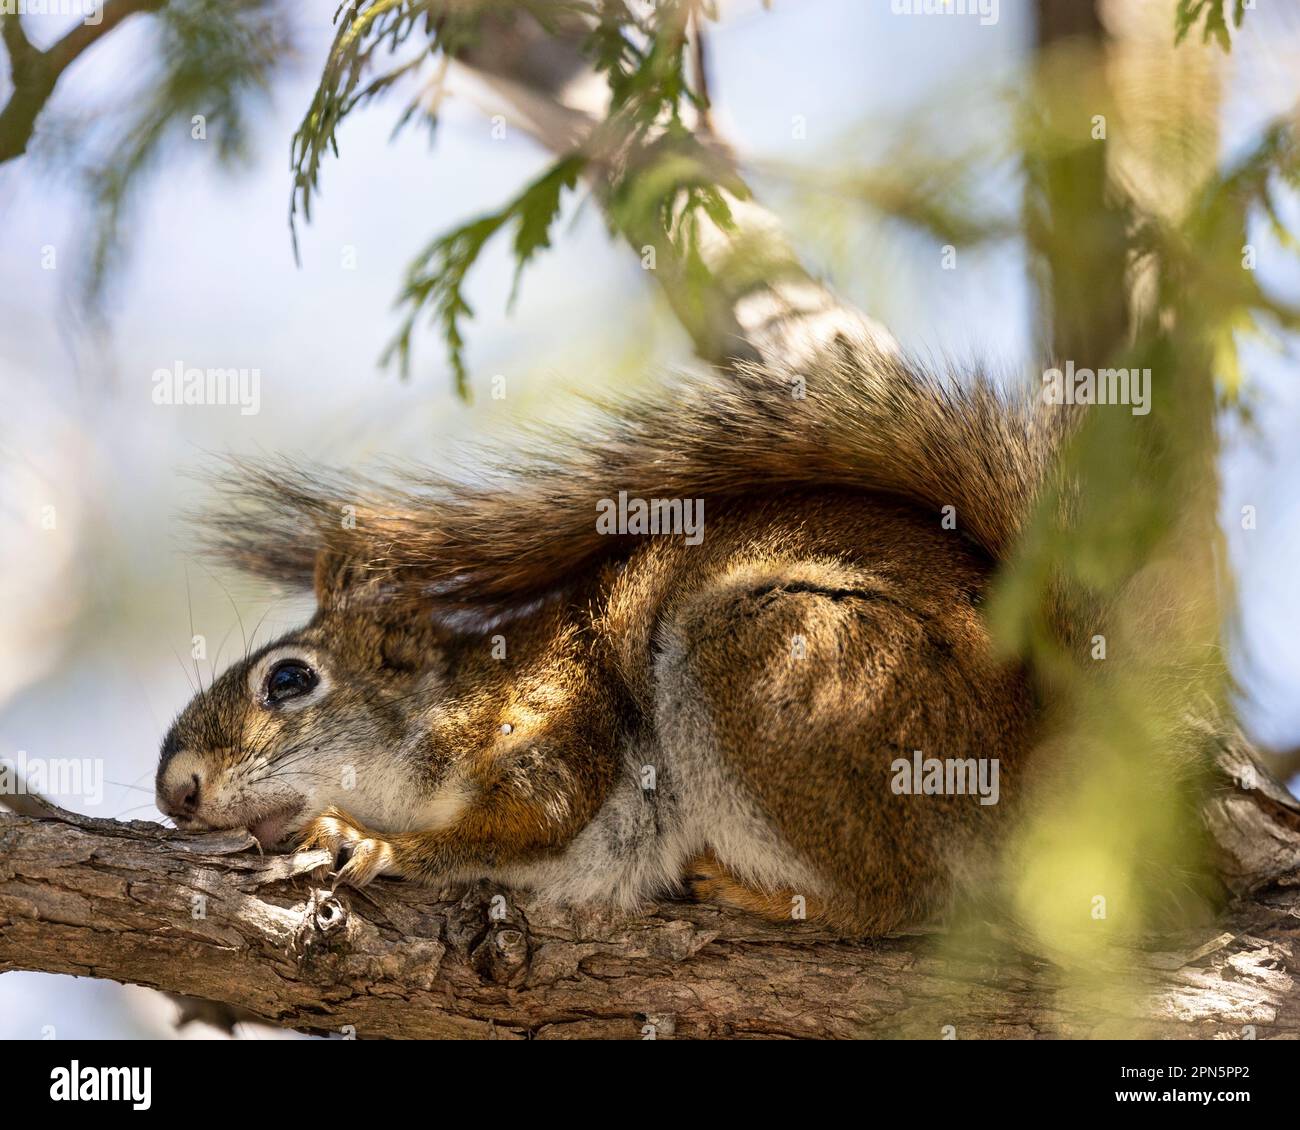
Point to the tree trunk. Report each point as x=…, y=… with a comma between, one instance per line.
x=1083, y=282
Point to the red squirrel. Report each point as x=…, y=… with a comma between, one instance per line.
x=523, y=681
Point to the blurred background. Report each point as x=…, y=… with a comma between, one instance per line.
x=103, y=597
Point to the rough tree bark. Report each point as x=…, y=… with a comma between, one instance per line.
x=206, y=917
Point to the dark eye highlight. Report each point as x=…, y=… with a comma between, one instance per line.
x=288, y=679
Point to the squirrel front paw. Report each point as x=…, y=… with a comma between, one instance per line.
x=358, y=854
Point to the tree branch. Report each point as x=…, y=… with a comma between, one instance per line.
x=204, y=916
x=34, y=74
x=780, y=310
x=1283, y=764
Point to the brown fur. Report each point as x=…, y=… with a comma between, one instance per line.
x=823, y=522
x=709, y=881
x=895, y=659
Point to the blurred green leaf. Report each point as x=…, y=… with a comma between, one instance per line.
x=1216, y=20
x=436, y=279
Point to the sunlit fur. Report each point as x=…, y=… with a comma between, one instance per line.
x=652, y=721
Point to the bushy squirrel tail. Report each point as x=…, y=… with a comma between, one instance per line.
x=856, y=419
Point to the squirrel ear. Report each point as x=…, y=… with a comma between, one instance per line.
x=333, y=577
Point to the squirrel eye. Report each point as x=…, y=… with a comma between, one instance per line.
x=289, y=679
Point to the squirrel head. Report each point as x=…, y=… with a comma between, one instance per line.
x=305, y=722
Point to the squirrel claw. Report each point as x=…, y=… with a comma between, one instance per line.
x=359, y=856
x=370, y=858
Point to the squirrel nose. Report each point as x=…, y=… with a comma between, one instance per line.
x=179, y=795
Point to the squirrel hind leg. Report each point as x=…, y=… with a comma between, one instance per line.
x=818, y=677
x=707, y=880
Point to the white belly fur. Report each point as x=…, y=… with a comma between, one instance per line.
x=640, y=843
